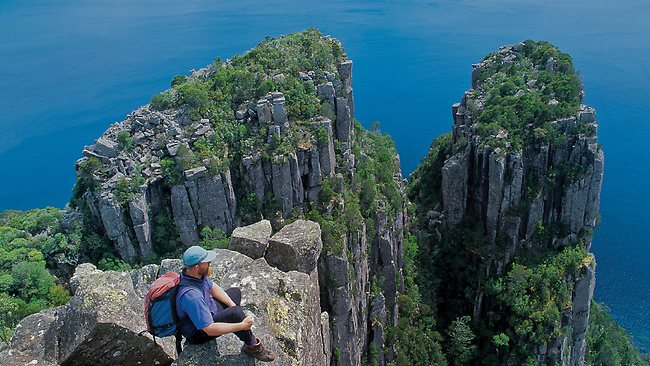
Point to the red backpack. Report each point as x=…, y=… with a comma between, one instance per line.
x=160, y=306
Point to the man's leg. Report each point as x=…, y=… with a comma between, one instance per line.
x=235, y=295
x=234, y=314
x=252, y=346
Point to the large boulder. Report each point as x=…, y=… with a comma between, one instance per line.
x=286, y=311
x=99, y=326
x=296, y=247
x=143, y=278
x=251, y=240
x=29, y=335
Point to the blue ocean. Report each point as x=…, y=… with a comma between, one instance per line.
x=70, y=68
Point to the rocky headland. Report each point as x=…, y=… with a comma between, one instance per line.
x=519, y=181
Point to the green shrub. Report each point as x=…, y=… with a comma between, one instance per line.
x=607, y=342
x=85, y=179
x=164, y=100
x=178, y=80
x=165, y=235
x=127, y=189
x=196, y=96
x=214, y=238
x=112, y=263
x=320, y=133
x=125, y=141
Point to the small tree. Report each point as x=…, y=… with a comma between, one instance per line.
x=460, y=340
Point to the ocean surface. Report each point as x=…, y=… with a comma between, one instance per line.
x=70, y=68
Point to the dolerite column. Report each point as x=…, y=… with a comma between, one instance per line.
x=297, y=247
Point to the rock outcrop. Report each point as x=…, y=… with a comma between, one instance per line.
x=101, y=325
x=137, y=182
x=251, y=240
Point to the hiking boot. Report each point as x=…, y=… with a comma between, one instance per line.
x=258, y=351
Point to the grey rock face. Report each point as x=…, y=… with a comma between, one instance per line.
x=170, y=265
x=287, y=185
x=184, y=216
x=345, y=69
x=326, y=154
x=454, y=188
x=296, y=247
x=327, y=90
x=583, y=293
x=264, y=114
x=378, y=320
x=12, y=357
x=518, y=194
x=251, y=240
x=112, y=216
x=143, y=278
x=282, y=184
x=29, y=334
x=106, y=148
x=253, y=177
x=99, y=326
x=343, y=120
x=139, y=212
x=279, y=110
x=213, y=196
x=195, y=173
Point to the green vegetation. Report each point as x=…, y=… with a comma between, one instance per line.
x=85, y=179
x=126, y=189
x=28, y=241
x=165, y=235
x=415, y=337
x=521, y=96
x=533, y=298
x=271, y=66
x=125, y=141
x=214, y=238
x=460, y=337
x=608, y=343
x=425, y=183
x=372, y=189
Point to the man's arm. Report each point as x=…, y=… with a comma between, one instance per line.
x=217, y=329
x=221, y=295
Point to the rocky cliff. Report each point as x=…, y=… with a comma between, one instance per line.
x=101, y=325
x=512, y=189
x=268, y=134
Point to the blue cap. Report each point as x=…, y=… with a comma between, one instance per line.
x=195, y=255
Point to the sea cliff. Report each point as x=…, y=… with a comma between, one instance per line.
x=519, y=181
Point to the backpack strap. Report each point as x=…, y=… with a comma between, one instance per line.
x=182, y=288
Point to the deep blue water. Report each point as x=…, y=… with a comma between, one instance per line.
x=69, y=68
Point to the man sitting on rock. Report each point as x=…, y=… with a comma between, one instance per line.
x=208, y=313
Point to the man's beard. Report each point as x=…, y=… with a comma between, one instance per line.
x=207, y=272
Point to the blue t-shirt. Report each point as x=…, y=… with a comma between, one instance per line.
x=197, y=305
